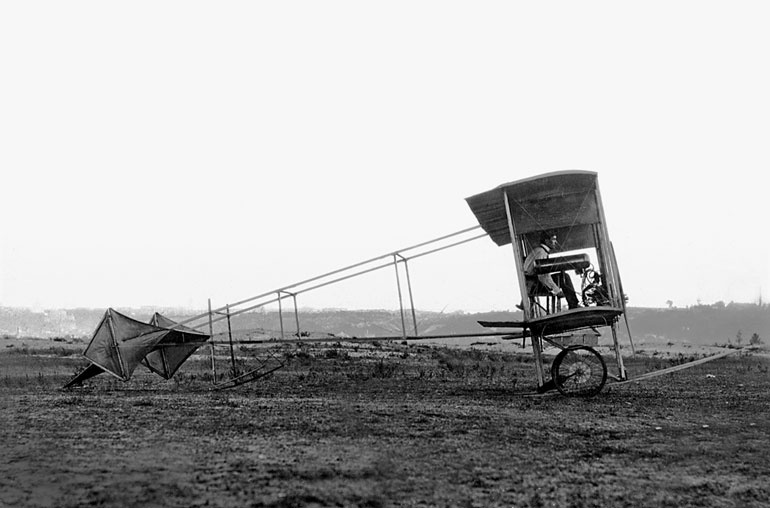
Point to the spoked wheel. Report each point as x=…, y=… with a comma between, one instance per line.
x=579, y=371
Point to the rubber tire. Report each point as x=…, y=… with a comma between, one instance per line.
x=579, y=371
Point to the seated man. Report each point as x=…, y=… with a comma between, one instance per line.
x=560, y=285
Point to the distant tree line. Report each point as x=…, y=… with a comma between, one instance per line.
x=737, y=324
x=704, y=324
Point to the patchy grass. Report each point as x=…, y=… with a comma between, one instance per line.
x=402, y=425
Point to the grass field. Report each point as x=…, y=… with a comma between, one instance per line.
x=385, y=425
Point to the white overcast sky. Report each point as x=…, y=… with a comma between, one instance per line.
x=162, y=153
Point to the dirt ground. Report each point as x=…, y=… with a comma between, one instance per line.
x=391, y=425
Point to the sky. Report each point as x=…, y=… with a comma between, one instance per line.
x=165, y=153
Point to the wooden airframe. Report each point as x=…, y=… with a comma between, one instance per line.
x=566, y=204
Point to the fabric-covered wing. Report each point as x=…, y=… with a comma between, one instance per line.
x=175, y=348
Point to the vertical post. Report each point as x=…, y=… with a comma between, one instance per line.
x=537, y=341
x=411, y=298
x=296, y=313
x=211, y=333
x=280, y=313
x=230, y=335
x=400, y=298
x=605, y=262
x=611, y=276
x=537, y=349
x=518, y=259
x=597, y=244
x=618, y=357
x=622, y=299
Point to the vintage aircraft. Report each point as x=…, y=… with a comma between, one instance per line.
x=560, y=212
x=556, y=227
